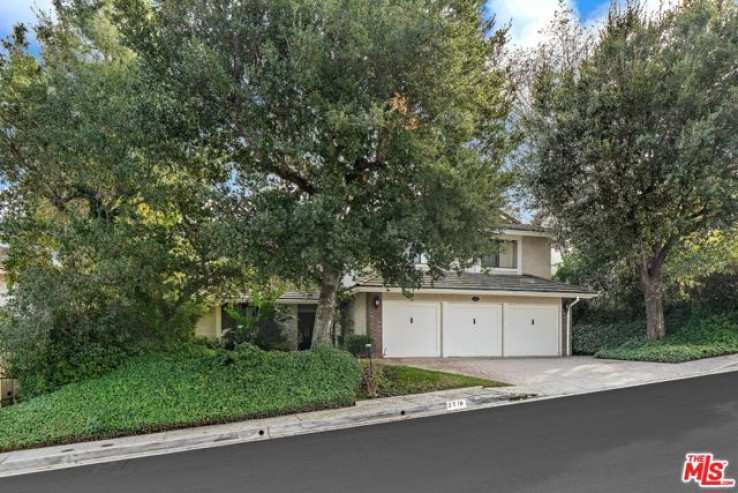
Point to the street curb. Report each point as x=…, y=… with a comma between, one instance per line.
x=62, y=457
x=88, y=453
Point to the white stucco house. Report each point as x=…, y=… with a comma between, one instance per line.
x=505, y=306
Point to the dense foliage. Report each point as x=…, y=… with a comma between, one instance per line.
x=183, y=388
x=109, y=244
x=632, y=143
x=357, y=134
x=589, y=337
x=689, y=336
x=699, y=338
x=356, y=344
x=260, y=321
x=701, y=284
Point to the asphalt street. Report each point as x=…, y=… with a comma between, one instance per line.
x=631, y=440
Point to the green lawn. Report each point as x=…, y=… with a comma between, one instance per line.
x=402, y=380
x=194, y=386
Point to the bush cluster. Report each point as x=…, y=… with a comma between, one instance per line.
x=592, y=336
x=61, y=327
x=356, y=344
x=193, y=385
x=688, y=338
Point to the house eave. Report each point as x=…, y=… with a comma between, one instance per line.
x=479, y=292
x=280, y=300
x=516, y=232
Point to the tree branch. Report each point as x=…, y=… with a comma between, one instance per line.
x=292, y=176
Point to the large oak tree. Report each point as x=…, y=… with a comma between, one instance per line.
x=358, y=133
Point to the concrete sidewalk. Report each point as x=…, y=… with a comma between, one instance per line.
x=364, y=413
x=572, y=375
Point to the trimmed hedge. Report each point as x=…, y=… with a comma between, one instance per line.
x=356, y=344
x=188, y=387
x=686, y=340
x=590, y=337
x=661, y=352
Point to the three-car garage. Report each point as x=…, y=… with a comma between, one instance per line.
x=467, y=314
x=439, y=328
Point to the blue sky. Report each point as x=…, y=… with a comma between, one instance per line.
x=528, y=16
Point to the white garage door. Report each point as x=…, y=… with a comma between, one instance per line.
x=531, y=330
x=472, y=330
x=411, y=329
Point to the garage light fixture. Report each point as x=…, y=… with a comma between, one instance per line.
x=377, y=300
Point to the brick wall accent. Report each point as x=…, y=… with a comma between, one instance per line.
x=374, y=323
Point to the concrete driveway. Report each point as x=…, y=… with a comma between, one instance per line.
x=572, y=375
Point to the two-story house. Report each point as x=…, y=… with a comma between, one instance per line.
x=505, y=306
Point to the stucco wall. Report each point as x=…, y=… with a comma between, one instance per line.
x=358, y=313
x=210, y=323
x=536, y=257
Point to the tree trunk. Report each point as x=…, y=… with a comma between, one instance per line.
x=651, y=284
x=326, y=306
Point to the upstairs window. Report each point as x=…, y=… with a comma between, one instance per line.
x=420, y=259
x=505, y=256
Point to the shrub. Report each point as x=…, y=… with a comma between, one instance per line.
x=661, y=352
x=262, y=322
x=590, y=337
x=356, y=344
x=191, y=386
x=373, y=378
x=61, y=327
x=696, y=338
x=719, y=329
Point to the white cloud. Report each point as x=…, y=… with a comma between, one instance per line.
x=528, y=18
x=655, y=5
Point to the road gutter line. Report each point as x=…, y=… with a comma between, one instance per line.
x=69, y=457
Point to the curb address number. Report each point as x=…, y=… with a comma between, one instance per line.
x=455, y=405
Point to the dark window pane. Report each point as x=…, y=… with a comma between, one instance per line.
x=505, y=257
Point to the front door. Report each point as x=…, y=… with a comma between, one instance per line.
x=305, y=324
